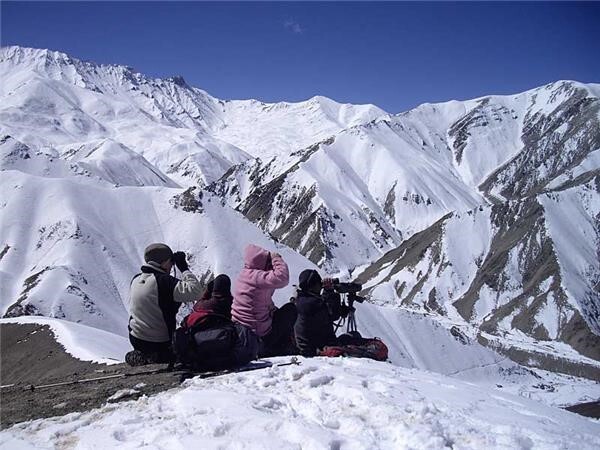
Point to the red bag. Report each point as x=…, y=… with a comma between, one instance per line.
x=368, y=348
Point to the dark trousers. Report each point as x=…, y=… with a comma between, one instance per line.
x=280, y=340
x=160, y=352
x=246, y=346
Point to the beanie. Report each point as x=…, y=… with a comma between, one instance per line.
x=310, y=281
x=222, y=286
x=157, y=253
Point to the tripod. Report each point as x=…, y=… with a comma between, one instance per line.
x=350, y=319
x=351, y=325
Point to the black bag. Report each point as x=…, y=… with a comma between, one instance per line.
x=205, y=349
x=215, y=341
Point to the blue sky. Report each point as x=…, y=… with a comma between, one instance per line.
x=395, y=55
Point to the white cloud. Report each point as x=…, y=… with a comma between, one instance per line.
x=293, y=26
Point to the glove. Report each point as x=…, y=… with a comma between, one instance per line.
x=179, y=261
x=328, y=283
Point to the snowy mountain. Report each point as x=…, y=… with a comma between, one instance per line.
x=482, y=214
x=523, y=268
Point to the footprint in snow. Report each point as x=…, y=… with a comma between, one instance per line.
x=268, y=405
x=332, y=423
x=221, y=430
x=320, y=381
x=268, y=382
x=295, y=375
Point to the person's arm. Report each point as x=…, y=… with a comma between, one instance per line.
x=188, y=288
x=276, y=278
x=333, y=301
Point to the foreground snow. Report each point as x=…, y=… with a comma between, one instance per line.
x=323, y=403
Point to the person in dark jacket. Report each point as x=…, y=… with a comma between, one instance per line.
x=155, y=298
x=214, y=305
x=318, y=306
x=225, y=344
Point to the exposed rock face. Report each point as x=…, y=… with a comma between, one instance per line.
x=553, y=143
x=279, y=205
x=500, y=268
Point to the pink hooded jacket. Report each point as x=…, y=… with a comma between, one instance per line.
x=252, y=295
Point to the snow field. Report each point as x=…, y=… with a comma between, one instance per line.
x=323, y=403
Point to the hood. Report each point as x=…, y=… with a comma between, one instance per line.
x=256, y=257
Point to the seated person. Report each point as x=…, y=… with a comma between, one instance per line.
x=208, y=339
x=319, y=306
x=317, y=312
x=155, y=298
x=214, y=305
x=253, y=306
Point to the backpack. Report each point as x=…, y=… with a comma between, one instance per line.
x=205, y=349
x=368, y=348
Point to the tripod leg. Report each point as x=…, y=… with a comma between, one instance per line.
x=351, y=323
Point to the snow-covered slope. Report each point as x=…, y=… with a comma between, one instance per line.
x=335, y=403
x=345, y=200
x=50, y=100
x=524, y=273
x=278, y=129
x=81, y=341
x=105, y=160
x=71, y=248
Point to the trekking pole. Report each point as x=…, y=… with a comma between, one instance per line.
x=32, y=387
x=292, y=362
x=66, y=383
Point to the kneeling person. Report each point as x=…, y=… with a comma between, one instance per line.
x=155, y=298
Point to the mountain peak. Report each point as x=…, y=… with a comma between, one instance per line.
x=178, y=80
x=27, y=55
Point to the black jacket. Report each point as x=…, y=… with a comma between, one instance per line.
x=316, y=314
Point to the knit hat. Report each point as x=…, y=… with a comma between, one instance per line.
x=310, y=281
x=222, y=286
x=157, y=253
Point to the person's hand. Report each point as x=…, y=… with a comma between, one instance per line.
x=180, y=262
x=275, y=254
x=328, y=283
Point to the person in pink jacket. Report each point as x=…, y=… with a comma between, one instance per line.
x=253, y=305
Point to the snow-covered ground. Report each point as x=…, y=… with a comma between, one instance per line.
x=322, y=403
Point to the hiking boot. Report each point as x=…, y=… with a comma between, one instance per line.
x=136, y=358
